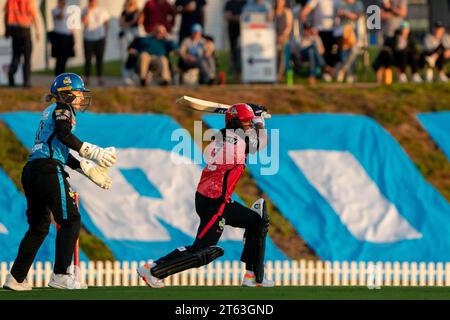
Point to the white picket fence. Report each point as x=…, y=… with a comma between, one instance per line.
x=284, y=273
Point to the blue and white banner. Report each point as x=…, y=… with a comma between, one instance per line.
x=437, y=125
x=351, y=192
x=13, y=223
x=150, y=209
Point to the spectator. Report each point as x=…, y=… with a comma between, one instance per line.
x=406, y=54
x=20, y=15
x=198, y=52
x=311, y=51
x=158, y=12
x=295, y=34
x=347, y=14
x=393, y=12
x=233, y=11
x=437, y=52
x=283, y=19
x=259, y=6
x=192, y=12
x=323, y=21
x=384, y=61
x=151, y=53
x=95, y=20
x=129, y=24
x=61, y=38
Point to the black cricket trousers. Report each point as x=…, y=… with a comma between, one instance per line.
x=214, y=215
x=47, y=191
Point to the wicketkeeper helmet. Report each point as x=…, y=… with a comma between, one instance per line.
x=64, y=85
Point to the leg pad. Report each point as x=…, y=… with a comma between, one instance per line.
x=185, y=258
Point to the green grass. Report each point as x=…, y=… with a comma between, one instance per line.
x=363, y=73
x=111, y=69
x=233, y=293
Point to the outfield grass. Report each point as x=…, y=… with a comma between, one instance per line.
x=110, y=69
x=233, y=293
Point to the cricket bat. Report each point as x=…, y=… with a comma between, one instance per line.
x=207, y=106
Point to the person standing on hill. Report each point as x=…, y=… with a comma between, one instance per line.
x=20, y=16
x=95, y=20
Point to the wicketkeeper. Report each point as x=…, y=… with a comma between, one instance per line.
x=227, y=154
x=47, y=189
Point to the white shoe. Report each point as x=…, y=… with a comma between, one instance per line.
x=12, y=284
x=250, y=281
x=442, y=77
x=65, y=281
x=431, y=60
x=128, y=82
x=416, y=78
x=429, y=75
x=146, y=275
x=350, y=79
x=327, y=77
x=403, y=78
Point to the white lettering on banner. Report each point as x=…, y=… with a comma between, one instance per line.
x=123, y=214
x=354, y=196
x=3, y=229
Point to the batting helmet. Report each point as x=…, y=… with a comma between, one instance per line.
x=237, y=114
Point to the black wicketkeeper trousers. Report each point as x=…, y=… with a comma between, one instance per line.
x=47, y=191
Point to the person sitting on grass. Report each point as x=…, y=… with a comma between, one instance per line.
x=151, y=53
x=384, y=61
x=437, y=52
x=312, y=50
x=347, y=14
x=406, y=54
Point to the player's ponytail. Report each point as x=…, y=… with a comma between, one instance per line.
x=48, y=98
x=56, y=97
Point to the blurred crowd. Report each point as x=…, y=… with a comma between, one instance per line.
x=321, y=38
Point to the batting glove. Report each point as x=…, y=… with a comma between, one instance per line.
x=257, y=120
x=258, y=110
x=104, y=157
x=98, y=175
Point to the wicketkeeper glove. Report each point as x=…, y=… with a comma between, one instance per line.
x=98, y=175
x=104, y=157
